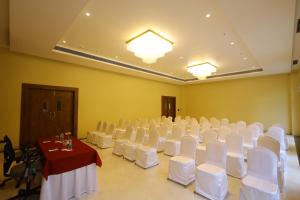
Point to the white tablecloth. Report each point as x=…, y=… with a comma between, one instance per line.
x=70, y=184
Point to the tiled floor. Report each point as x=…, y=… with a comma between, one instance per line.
x=121, y=179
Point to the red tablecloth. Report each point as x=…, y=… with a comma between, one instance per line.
x=57, y=162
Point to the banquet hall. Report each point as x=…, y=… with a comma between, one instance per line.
x=195, y=99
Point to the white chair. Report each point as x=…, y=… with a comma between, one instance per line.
x=261, y=180
x=182, y=167
x=224, y=122
x=195, y=132
x=215, y=123
x=249, y=140
x=255, y=129
x=241, y=125
x=202, y=119
x=211, y=178
x=164, y=133
x=119, y=143
x=261, y=127
x=278, y=134
x=235, y=165
x=146, y=156
x=172, y=145
x=273, y=145
x=209, y=136
x=105, y=140
x=130, y=148
x=89, y=133
x=223, y=132
x=94, y=134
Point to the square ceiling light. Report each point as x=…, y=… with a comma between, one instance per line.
x=202, y=70
x=149, y=46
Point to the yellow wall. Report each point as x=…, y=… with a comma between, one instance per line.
x=111, y=96
x=295, y=99
x=102, y=95
x=265, y=99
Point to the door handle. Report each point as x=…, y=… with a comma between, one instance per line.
x=54, y=115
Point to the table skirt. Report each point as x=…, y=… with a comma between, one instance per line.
x=70, y=184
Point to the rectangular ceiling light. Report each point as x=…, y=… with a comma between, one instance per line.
x=149, y=46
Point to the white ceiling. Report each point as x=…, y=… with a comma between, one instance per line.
x=262, y=31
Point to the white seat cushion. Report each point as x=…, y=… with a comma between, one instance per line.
x=182, y=169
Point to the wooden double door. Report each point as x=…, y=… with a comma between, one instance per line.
x=47, y=111
x=168, y=106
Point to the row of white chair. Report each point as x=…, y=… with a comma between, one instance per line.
x=211, y=180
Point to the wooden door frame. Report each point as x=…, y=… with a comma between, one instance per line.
x=162, y=97
x=27, y=86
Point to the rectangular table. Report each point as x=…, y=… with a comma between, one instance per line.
x=68, y=174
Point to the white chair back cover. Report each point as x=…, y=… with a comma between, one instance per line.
x=205, y=125
x=241, y=125
x=216, y=154
x=195, y=129
x=120, y=123
x=111, y=129
x=99, y=126
x=262, y=163
x=104, y=127
x=261, y=127
x=278, y=134
x=153, y=139
x=215, y=123
x=234, y=128
x=255, y=129
x=223, y=131
x=140, y=134
x=178, y=132
x=234, y=143
x=178, y=118
x=248, y=135
x=269, y=143
x=128, y=133
x=210, y=136
x=188, y=146
x=202, y=119
x=224, y=122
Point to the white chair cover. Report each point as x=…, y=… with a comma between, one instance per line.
x=278, y=134
x=249, y=140
x=182, y=167
x=223, y=132
x=89, y=133
x=105, y=141
x=119, y=143
x=211, y=178
x=94, y=134
x=164, y=133
x=241, y=125
x=224, y=122
x=261, y=180
x=130, y=148
x=273, y=145
x=172, y=145
x=235, y=165
x=209, y=136
x=146, y=156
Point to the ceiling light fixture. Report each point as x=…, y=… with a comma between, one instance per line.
x=64, y=41
x=202, y=70
x=207, y=15
x=245, y=58
x=231, y=43
x=87, y=14
x=149, y=46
